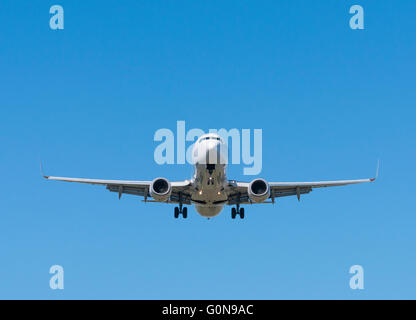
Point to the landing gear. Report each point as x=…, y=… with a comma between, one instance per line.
x=242, y=213
x=235, y=211
x=179, y=210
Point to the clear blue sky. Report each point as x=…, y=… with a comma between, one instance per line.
x=88, y=99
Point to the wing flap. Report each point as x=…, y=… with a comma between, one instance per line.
x=275, y=193
x=137, y=191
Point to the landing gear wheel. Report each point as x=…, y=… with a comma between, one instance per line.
x=176, y=212
x=185, y=213
x=242, y=213
x=233, y=213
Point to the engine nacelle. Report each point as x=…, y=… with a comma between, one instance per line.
x=258, y=190
x=160, y=189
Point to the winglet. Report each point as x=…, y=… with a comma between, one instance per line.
x=378, y=167
x=41, y=171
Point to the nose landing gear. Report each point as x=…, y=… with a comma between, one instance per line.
x=210, y=181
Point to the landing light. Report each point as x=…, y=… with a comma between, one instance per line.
x=200, y=192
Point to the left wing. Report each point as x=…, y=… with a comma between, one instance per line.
x=238, y=191
x=180, y=189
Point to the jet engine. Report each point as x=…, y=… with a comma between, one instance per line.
x=258, y=190
x=160, y=189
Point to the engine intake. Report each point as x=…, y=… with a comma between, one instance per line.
x=258, y=190
x=160, y=189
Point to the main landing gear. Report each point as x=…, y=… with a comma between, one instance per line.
x=239, y=211
x=179, y=210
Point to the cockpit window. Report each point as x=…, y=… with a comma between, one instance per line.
x=211, y=138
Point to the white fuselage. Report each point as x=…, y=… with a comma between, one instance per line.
x=210, y=159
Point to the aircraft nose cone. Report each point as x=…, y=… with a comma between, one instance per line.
x=210, y=152
x=214, y=153
x=212, y=145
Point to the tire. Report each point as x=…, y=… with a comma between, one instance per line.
x=185, y=213
x=242, y=213
x=176, y=212
x=233, y=213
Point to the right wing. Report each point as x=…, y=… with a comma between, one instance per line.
x=180, y=189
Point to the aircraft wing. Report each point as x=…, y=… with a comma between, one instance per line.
x=239, y=190
x=138, y=188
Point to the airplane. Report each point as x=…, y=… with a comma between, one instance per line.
x=209, y=189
